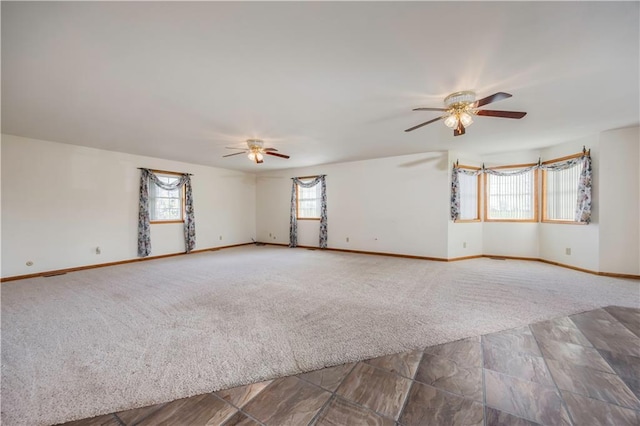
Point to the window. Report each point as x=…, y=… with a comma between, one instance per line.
x=469, y=190
x=511, y=197
x=560, y=192
x=165, y=206
x=309, y=200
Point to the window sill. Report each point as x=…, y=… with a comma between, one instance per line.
x=513, y=220
x=155, y=222
x=308, y=218
x=466, y=221
x=565, y=222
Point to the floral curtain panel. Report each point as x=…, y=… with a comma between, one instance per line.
x=455, y=188
x=293, y=224
x=583, y=203
x=583, y=206
x=144, y=229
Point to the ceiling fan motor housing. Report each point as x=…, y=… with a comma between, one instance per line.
x=255, y=144
x=460, y=99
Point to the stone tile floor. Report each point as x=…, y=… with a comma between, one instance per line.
x=578, y=370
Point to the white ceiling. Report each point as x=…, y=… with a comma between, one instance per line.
x=322, y=82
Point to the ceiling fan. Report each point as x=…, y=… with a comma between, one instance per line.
x=460, y=107
x=255, y=149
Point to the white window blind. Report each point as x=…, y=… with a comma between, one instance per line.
x=165, y=205
x=468, y=196
x=561, y=193
x=511, y=197
x=309, y=201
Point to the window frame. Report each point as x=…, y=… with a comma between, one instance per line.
x=298, y=199
x=544, y=218
x=164, y=173
x=535, y=195
x=479, y=192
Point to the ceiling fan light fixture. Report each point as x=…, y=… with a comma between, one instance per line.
x=451, y=121
x=255, y=156
x=466, y=119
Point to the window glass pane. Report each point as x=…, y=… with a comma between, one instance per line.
x=468, y=196
x=562, y=193
x=163, y=204
x=511, y=197
x=309, y=201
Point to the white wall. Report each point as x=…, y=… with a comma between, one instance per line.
x=390, y=205
x=508, y=238
x=619, y=210
x=59, y=202
x=583, y=240
x=465, y=238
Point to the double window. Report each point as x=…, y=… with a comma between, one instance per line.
x=166, y=206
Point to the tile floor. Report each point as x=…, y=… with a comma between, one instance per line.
x=577, y=370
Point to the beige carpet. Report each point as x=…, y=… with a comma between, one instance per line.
x=109, y=339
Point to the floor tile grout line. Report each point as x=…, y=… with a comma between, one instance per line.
x=119, y=420
x=599, y=350
x=161, y=406
x=389, y=371
x=333, y=394
x=604, y=402
x=608, y=363
x=448, y=359
x=618, y=319
x=546, y=364
x=413, y=381
x=521, y=378
x=524, y=380
x=239, y=408
x=579, y=366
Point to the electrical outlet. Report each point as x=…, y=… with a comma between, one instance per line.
x=567, y=251
x=464, y=245
x=274, y=237
x=347, y=239
x=270, y=235
x=220, y=237
x=98, y=251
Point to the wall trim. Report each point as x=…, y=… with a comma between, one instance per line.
x=455, y=259
x=375, y=253
x=119, y=262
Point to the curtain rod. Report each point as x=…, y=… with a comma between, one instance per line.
x=307, y=177
x=166, y=171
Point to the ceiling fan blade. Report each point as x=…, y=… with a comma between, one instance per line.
x=423, y=124
x=276, y=155
x=429, y=109
x=493, y=98
x=259, y=161
x=269, y=149
x=233, y=147
x=502, y=114
x=458, y=131
x=235, y=153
